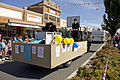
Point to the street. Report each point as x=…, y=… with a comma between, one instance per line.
x=21, y=71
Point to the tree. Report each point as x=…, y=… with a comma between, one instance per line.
x=112, y=16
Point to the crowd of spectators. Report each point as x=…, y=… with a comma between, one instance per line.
x=6, y=45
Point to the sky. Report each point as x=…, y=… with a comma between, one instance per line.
x=89, y=16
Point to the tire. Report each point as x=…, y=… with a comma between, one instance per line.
x=68, y=64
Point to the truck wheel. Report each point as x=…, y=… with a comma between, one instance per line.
x=61, y=66
x=68, y=64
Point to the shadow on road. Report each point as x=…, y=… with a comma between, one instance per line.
x=91, y=51
x=23, y=70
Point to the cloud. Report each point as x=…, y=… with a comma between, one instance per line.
x=92, y=25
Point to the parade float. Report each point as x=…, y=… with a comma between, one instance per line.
x=48, y=50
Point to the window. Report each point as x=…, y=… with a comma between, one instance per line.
x=46, y=9
x=58, y=19
x=52, y=18
x=46, y=16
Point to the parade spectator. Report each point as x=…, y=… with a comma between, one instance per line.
x=20, y=39
x=3, y=49
x=88, y=43
x=117, y=38
x=70, y=33
x=116, y=44
x=16, y=36
x=63, y=32
x=113, y=42
x=27, y=38
x=31, y=38
x=0, y=37
x=9, y=49
x=15, y=39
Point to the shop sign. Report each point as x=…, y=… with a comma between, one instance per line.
x=53, y=12
x=10, y=13
x=34, y=18
x=63, y=23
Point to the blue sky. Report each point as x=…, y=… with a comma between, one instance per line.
x=89, y=16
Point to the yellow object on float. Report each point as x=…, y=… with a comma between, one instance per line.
x=67, y=41
x=71, y=41
x=58, y=38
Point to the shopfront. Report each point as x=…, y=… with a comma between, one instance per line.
x=19, y=21
x=23, y=29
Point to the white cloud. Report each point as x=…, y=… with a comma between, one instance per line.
x=92, y=25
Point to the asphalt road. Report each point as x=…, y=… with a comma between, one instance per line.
x=21, y=71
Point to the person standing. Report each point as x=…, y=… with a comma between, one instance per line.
x=75, y=32
x=88, y=42
x=14, y=40
x=117, y=38
x=10, y=49
x=3, y=49
x=70, y=33
x=27, y=38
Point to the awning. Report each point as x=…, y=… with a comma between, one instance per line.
x=3, y=21
x=2, y=26
x=23, y=25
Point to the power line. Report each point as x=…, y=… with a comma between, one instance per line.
x=79, y=4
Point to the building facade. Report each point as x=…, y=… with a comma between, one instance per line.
x=51, y=11
x=15, y=20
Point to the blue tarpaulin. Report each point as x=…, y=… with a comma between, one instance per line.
x=36, y=41
x=27, y=52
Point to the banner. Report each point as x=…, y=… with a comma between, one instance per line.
x=70, y=20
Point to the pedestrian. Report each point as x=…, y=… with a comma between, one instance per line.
x=3, y=49
x=70, y=33
x=116, y=44
x=0, y=37
x=20, y=39
x=31, y=38
x=117, y=38
x=88, y=43
x=15, y=40
x=10, y=49
x=27, y=38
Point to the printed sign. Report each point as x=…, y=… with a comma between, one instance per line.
x=71, y=46
x=70, y=20
x=33, y=50
x=17, y=49
x=58, y=51
x=10, y=13
x=68, y=48
x=41, y=52
x=75, y=49
x=79, y=45
x=63, y=23
x=34, y=18
x=64, y=48
x=22, y=48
